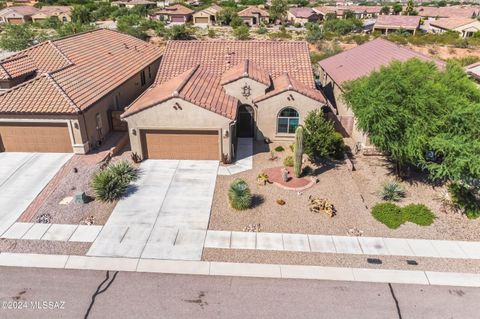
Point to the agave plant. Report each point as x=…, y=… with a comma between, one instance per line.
x=107, y=187
x=239, y=195
x=124, y=171
x=392, y=191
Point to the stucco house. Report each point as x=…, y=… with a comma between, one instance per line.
x=206, y=17
x=301, y=15
x=17, y=14
x=359, y=11
x=465, y=26
x=62, y=13
x=61, y=96
x=350, y=65
x=392, y=23
x=254, y=16
x=130, y=4
x=459, y=11
x=174, y=14
x=201, y=103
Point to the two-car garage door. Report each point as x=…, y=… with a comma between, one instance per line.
x=181, y=145
x=35, y=137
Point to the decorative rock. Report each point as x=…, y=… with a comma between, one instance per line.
x=80, y=198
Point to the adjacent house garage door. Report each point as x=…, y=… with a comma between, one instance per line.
x=201, y=20
x=192, y=145
x=35, y=137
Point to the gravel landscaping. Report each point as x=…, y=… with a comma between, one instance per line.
x=352, y=193
x=339, y=260
x=43, y=247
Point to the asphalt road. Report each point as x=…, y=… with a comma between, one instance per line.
x=69, y=294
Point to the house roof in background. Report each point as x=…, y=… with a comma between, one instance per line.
x=252, y=10
x=451, y=23
x=398, y=21
x=448, y=11
x=80, y=69
x=366, y=58
x=21, y=10
x=302, y=12
x=175, y=9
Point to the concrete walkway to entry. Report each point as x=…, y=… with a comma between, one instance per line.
x=165, y=215
x=22, y=178
x=244, y=160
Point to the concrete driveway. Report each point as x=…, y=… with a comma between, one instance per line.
x=165, y=215
x=22, y=178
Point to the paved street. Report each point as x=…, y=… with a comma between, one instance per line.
x=166, y=214
x=22, y=178
x=141, y=295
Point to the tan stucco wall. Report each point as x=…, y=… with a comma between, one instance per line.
x=190, y=117
x=268, y=110
x=235, y=89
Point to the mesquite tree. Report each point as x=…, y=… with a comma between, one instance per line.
x=298, y=151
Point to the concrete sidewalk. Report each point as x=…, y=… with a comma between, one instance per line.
x=343, y=244
x=241, y=269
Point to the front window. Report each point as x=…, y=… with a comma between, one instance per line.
x=288, y=121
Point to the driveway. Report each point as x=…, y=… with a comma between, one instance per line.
x=165, y=215
x=22, y=178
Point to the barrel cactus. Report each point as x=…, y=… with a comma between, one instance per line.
x=298, y=151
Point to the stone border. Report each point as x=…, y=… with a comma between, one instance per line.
x=212, y=268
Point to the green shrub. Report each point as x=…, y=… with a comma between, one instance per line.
x=466, y=198
x=388, y=214
x=107, y=187
x=279, y=149
x=288, y=161
x=239, y=195
x=392, y=191
x=241, y=32
x=418, y=214
x=262, y=30
x=111, y=183
x=211, y=33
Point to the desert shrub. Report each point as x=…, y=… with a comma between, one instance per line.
x=262, y=30
x=107, y=187
x=288, y=161
x=241, y=32
x=279, y=149
x=211, y=33
x=239, y=195
x=388, y=214
x=392, y=191
x=465, y=60
x=111, y=183
x=418, y=214
x=466, y=198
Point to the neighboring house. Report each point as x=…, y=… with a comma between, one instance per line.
x=62, y=13
x=254, y=16
x=17, y=15
x=448, y=12
x=174, y=14
x=360, y=12
x=351, y=65
x=62, y=95
x=134, y=3
x=389, y=23
x=208, y=93
x=301, y=15
x=206, y=17
x=30, y=3
x=465, y=26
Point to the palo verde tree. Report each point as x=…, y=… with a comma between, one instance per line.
x=421, y=115
x=278, y=10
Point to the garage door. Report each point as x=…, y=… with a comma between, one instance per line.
x=201, y=20
x=178, y=19
x=35, y=137
x=15, y=21
x=182, y=145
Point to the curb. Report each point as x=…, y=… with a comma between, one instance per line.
x=212, y=268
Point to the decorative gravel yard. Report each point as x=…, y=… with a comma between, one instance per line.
x=353, y=194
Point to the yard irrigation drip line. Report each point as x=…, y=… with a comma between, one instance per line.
x=396, y=301
x=99, y=291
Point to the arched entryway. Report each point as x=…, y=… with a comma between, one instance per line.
x=245, y=121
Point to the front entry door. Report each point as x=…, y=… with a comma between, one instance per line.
x=245, y=121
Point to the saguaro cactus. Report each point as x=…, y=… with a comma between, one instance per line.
x=298, y=151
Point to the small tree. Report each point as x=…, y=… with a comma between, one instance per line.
x=409, y=9
x=278, y=10
x=81, y=14
x=226, y=15
x=385, y=10
x=321, y=140
x=179, y=32
x=16, y=37
x=298, y=151
x=397, y=8
x=242, y=32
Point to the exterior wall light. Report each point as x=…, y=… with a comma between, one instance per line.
x=133, y=131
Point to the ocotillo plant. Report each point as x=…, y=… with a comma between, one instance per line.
x=298, y=151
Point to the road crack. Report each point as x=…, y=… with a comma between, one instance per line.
x=101, y=290
x=396, y=301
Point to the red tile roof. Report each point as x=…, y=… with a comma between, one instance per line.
x=451, y=23
x=12, y=68
x=82, y=69
x=196, y=85
x=397, y=21
x=286, y=83
x=366, y=58
x=449, y=11
x=246, y=69
x=198, y=69
x=253, y=10
x=302, y=12
x=21, y=10
x=175, y=9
